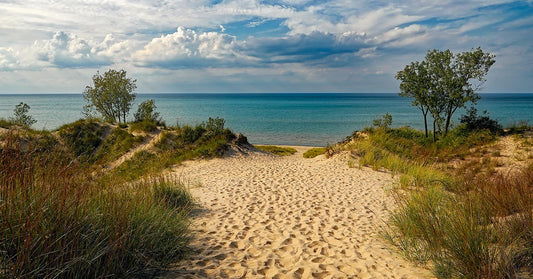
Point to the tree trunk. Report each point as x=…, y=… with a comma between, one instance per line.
x=434, y=131
x=426, y=124
x=448, y=118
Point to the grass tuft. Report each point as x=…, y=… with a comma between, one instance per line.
x=313, y=152
x=277, y=150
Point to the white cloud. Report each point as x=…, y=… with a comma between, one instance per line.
x=187, y=48
x=8, y=59
x=66, y=50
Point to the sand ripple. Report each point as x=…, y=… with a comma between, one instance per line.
x=289, y=217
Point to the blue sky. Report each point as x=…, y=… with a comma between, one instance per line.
x=254, y=46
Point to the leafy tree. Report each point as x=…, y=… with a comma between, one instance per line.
x=444, y=82
x=146, y=112
x=21, y=116
x=111, y=96
x=414, y=83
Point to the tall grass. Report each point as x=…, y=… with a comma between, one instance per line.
x=470, y=222
x=56, y=222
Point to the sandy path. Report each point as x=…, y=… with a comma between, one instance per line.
x=288, y=217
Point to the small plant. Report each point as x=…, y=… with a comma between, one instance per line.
x=214, y=125
x=313, y=152
x=277, y=150
x=384, y=121
x=21, y=116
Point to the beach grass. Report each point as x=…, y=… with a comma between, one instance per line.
x=57, y=222
x=64, y=215
x=463, y=221
x=313, y=152
x=277, y=150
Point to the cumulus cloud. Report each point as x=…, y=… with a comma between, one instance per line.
x=66, y=50
x=186, y=48
x=8, y=59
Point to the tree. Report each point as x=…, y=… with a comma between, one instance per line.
x=21, y=116
x=414, y=83
x=111, y=96
x=146, y=111
x=444, y=82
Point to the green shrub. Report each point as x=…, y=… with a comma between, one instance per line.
x=277, y=150
x=21, y=116
x=190, y=134
x=83, y=136
x=144, y=126
x=313, y=152
x=473, y=121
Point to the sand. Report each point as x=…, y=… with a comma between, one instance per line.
x=265, y=216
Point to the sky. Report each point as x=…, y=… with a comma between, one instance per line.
x=247, y=46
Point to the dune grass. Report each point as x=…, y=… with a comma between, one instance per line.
x=313, y=152
x=59, y=223
x=463, y=222
x=62, y=219
x=277, y=150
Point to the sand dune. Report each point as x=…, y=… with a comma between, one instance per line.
x=265, y=216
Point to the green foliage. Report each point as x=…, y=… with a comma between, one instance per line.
x=473, y=121
x=146, y=112
x=313, y=152
x=462, y=223
x=21, y=116
x=111, y=96
x=144, y=126
x=277, y=150
x=82, y=137
x=190, y=134
x=57, y=222
x=443, y=83
x=383, y=121
x=5, y=123
x=115, y=145
x=214, y=125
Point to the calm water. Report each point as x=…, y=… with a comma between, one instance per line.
x=297, y=119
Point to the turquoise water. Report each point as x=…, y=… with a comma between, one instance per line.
x=295, y=119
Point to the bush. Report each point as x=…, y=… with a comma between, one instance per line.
x=190, y=134
x=473, y=121
x=21, y=116
x=384, y=121
x=146, y=112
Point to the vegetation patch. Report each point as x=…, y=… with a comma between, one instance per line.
x=277, y=150
x=465, y=220
x=59, y=222
x=313, y=152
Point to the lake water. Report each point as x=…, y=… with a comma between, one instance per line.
x=293, y=119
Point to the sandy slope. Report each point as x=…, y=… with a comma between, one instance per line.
x=288, y=217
